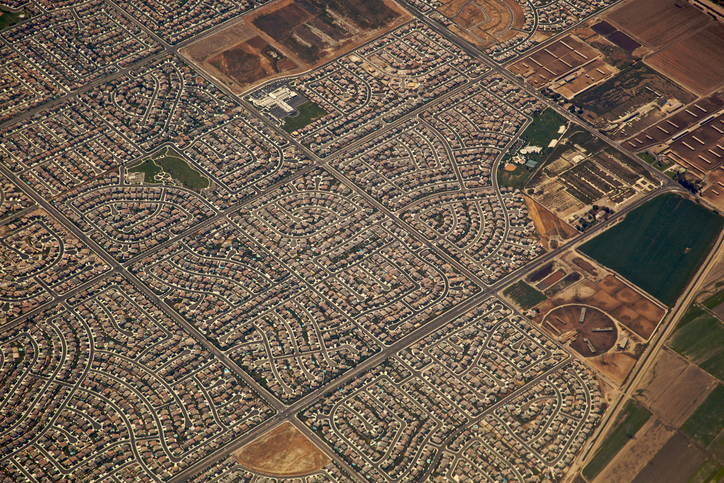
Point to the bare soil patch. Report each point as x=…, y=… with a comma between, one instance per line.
x=628, y=296
x=484, y=22
x=633, y=457
x=675, y=462
x=658, y=22
x=547, y=224
x=585, y=265
x=604, y=301
x=611, y=284
x=674, y=388
x=283, y=451
x=615, y=365
x=696, y=62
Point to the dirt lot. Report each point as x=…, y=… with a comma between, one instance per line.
x=696, y=62
x=483, y=22
x=291, y=36
x=634, y=457
x=548, y=225
x=283, y=451
x=614, y=365
x=675, y=462
x=594, y=319
x=593, y=73
x=673, y=388
x=715, y=193
x=658, y=23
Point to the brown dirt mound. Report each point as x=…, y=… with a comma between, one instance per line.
x=283, y=451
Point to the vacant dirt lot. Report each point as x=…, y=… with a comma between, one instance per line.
x=696, y=62
x=636, y=454
x=484, y=22
x=615, y=365
x=673, y=388
x=547, y=224
x=658, y=22
x=283, y=451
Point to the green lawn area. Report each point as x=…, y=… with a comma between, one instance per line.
x=701, y=340
x=629, y=422
x=708, y=419
x=513, y=179
x=308, y=112
x=180, y=170
x=541, y=131
x=659, y=245
x=149, y=168
x=169, y=161
x=524, y=295
x=651, y=159
x=8, y=18
x=706, y=472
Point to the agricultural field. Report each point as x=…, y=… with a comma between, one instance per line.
x=657, y=23
x=631, y=419
x=701, y=340
x=675, y=462
x=708, y=420
x=524, y=295
x=659, y=245
x=696, y=62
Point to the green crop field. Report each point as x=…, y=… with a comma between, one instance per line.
x=632, y=418
x=715, y=300
x=701, y=340
x=690, y=315
x=659, y=245
x=706, y=472
x=308, y=112
x=148, y=168
x=524, y=295
x=708, y=419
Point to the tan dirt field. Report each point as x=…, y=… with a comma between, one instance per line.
x=658, y=22
x=636, y=454
x=484, y=22
x=237, y=49
x=615, y=365
x=611, y=284
x=547, y=224
x=673, y=388
x=715, y=193
x=696, y=62
x=283, y=451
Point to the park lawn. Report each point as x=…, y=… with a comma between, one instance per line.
x=708, y=419
x=8, y=18
x=659, y=245
x=524, y=295
x=630, y=421
x=541, y=131
x=180, y=170
x=148, y=168
x=514, y=179
x=702, y=342
x=308, y=112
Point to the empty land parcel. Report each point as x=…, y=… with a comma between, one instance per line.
x=291, y=36
x=658, y=245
